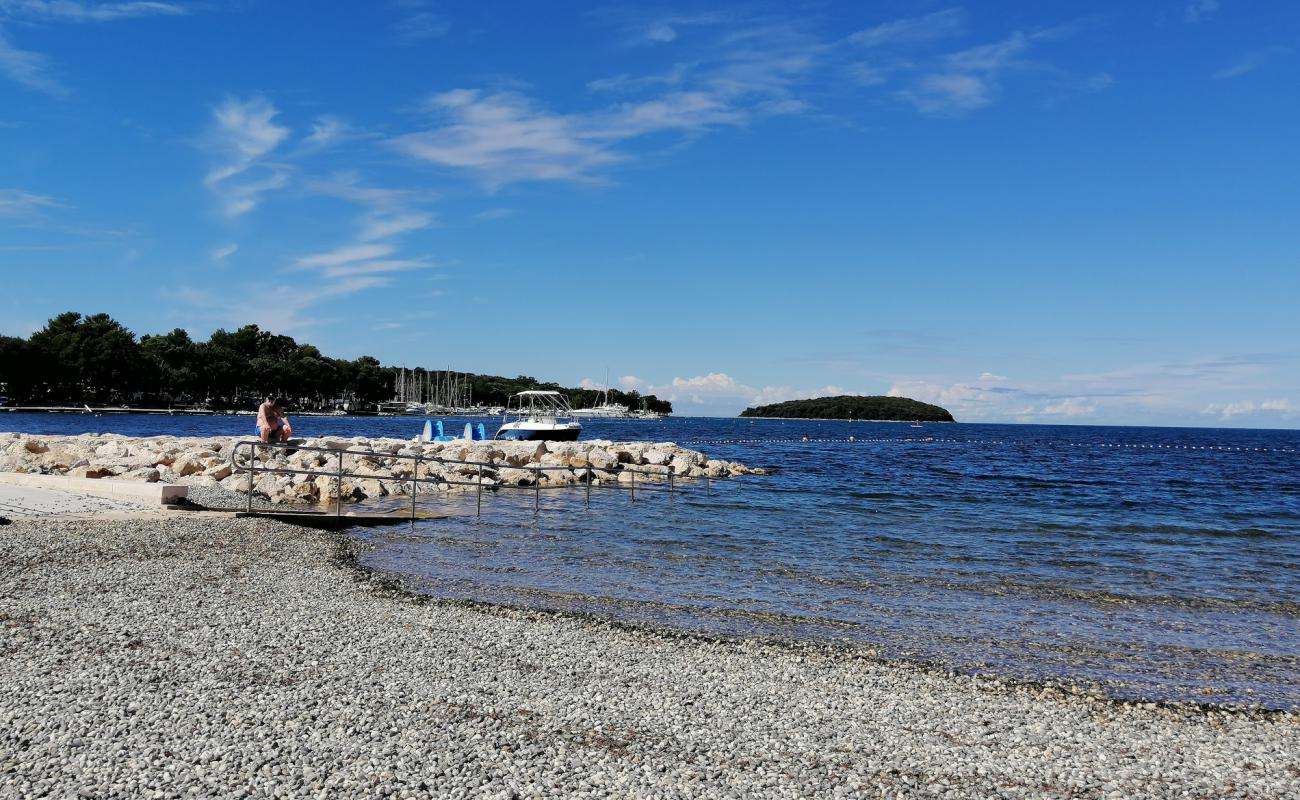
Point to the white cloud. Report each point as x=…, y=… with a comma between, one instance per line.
x=243, y=133
x=381, y=225
x=16, y=202
x=380, y=266
x=224, y=251
x=1162, y=393
x=345, y=255
x=661, y=32
x=913, y=30
x=504, y=138
x=32, y=69
x=721, y=389
x=1197, y=10
x=27, y=68
x=1227, y=411
x=328, y=131
x=1250, y=62
x=951, y=93
x=71, y=11
x=968, y=79
x=1069, y=407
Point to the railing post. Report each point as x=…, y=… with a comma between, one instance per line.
x=478, y=490
x=633, y=485
x=252, y=463
x=537, y=492
x=589, y=477
x=338, y=489
x=415, y=485
x=670, y=481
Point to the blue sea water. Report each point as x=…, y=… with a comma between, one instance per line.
x=1159, y=563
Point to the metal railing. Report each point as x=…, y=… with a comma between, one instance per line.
x=588, y=474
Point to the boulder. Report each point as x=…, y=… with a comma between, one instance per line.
x=145, y=474
x=516, y=477
x=372, y=488
x=219, y=472
x=601, y=458
x=187, y=466
x=656, y=457
x=89, y=471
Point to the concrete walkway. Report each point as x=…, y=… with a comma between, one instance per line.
x=17, y=502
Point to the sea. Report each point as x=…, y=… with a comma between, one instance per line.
x=1145, y=563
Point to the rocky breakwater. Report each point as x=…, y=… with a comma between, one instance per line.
x=375, y=467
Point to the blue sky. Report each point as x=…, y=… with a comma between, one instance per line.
x=1023, y=211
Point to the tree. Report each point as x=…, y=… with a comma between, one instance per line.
x=89, y=358
x=17, y=372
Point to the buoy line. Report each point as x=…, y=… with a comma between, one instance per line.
x=939, y=440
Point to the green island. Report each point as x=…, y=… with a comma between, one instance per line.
x=863, y=407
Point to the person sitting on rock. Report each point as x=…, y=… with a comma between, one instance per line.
x=272, y=424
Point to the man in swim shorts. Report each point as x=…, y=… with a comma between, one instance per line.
x=272, y=424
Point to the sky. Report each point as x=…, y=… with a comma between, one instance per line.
x=1025, y=212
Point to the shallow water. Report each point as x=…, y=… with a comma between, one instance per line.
x=1159, y=562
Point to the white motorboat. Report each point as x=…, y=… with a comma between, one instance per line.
x=539, y=416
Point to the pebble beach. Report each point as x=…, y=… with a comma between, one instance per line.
x=214, y=657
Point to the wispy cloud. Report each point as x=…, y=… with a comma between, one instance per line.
x=242, y=134
x=34, y=70
x=1197, y=10
x=504, y=138
x=225, y=251
x=385, y=224
x=28, y=68
x=968, y=79
x=16, y=202
x=1250, y=62
x=71, y=11
x=345, y=254
x=489, y=214
x=640, y=28
x=328, y=131
x=913, y=30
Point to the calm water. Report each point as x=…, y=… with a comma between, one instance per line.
x=1158, y=562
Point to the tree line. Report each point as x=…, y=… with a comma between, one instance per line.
x=78, y=359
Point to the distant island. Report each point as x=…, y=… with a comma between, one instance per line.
x=873, y=407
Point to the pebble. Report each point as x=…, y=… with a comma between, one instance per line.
x=249, y=658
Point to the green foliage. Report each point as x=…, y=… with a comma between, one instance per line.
x=901, y=409
x=94, y=359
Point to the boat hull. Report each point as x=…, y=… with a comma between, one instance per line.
x=566, y=434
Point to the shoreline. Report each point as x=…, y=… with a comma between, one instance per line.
x=219, y=653
x=349, y=548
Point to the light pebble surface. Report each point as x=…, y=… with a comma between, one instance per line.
x=249, y=658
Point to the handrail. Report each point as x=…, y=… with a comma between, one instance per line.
x=588, y=473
